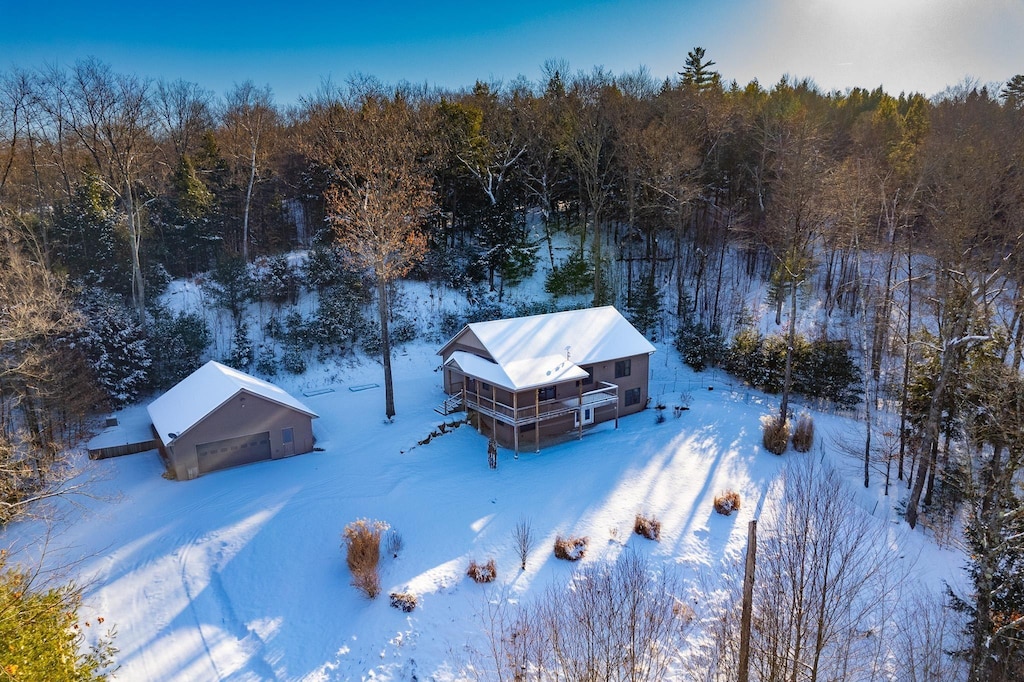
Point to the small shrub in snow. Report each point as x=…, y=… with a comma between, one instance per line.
x=727, y=502
x=775, y=434
x=393, y=542
x=403, y=601
x=482, y=573
x=524, y=539
x=362, y=554
x=803, y=433
x=648, y=527
x=571, y=548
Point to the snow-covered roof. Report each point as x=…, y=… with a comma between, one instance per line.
x=544, y=349
x=203, y=391
x=527, y=373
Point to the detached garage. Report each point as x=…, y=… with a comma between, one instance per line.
x=218, y=417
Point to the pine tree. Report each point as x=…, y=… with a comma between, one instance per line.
x=697, y=73
x=86, y=240
x=241, y=354
x=114, y=342
x=40, y=639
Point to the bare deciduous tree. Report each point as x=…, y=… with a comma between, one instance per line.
x=249, y=118
x=110, y=115
x=826, y=581
x=616, y=622
x=524, y=539
x=381, y=192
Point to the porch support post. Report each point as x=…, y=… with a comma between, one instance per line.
x=579, y=407
x=616, y=406
x=479, y=415
x=536, y=417
x=515, y=421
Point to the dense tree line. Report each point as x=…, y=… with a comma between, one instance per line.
x=682, y=199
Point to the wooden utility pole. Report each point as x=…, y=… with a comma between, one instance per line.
x=748, y=598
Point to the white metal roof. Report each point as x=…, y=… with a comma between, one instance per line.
x=544, y=349
x=203, y=391
x=527, y=373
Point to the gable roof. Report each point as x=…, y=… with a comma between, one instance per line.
x=532, y=351
x=206, y=389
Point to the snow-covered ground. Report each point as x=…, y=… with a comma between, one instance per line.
x=239, y=575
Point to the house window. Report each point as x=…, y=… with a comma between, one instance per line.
x=485, y=387
x=632, y=395
x=546, y=393
x=287, y=435
x=470, y=384
x=589, y=379
x=622, y=368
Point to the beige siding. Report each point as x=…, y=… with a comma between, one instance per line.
x=244, y=414
x=639, y=366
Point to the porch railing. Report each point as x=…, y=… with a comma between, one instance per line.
x=605, y=394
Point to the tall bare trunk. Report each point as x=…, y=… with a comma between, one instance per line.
x=385, y=348
x=248, y=203
x=787, y=384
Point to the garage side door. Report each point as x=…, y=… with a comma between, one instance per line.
x=232, y=452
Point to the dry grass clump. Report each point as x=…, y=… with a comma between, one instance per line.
x=571, y=548
x=803, y=434
x=775, y=434
x=403, y=601
x=482, y=573
x=728, y=502
x=648, y=527
x=361, y=540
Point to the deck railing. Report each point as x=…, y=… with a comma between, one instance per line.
x=605, y=394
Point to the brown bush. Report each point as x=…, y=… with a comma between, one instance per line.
x=803, y=434
x=571, y=548
x=403, y=601
x=648, y=527
x=362, y=554
x=728, y=502
x=775, y=434
x=485, y=573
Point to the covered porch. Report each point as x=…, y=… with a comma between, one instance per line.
x=527, y=409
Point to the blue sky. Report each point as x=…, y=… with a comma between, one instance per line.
x=912, y=45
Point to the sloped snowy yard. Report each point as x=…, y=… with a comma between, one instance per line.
x=239, y=575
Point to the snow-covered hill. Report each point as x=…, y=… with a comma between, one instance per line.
x=239, y=574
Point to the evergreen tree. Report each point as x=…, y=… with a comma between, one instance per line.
x=231, y=287
x=40, y=640
x=993, y=399
x=184, y=220
x=178, y=343
x=697, y=72
x=1013, y=92
x=241, y=354
x=114, y=342
x=645, y=308
x=86, y=241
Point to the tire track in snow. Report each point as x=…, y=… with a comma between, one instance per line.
x=247, y=640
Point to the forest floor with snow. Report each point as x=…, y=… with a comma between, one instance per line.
x=240, y=575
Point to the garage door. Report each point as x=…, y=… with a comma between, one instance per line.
x=232, y=452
